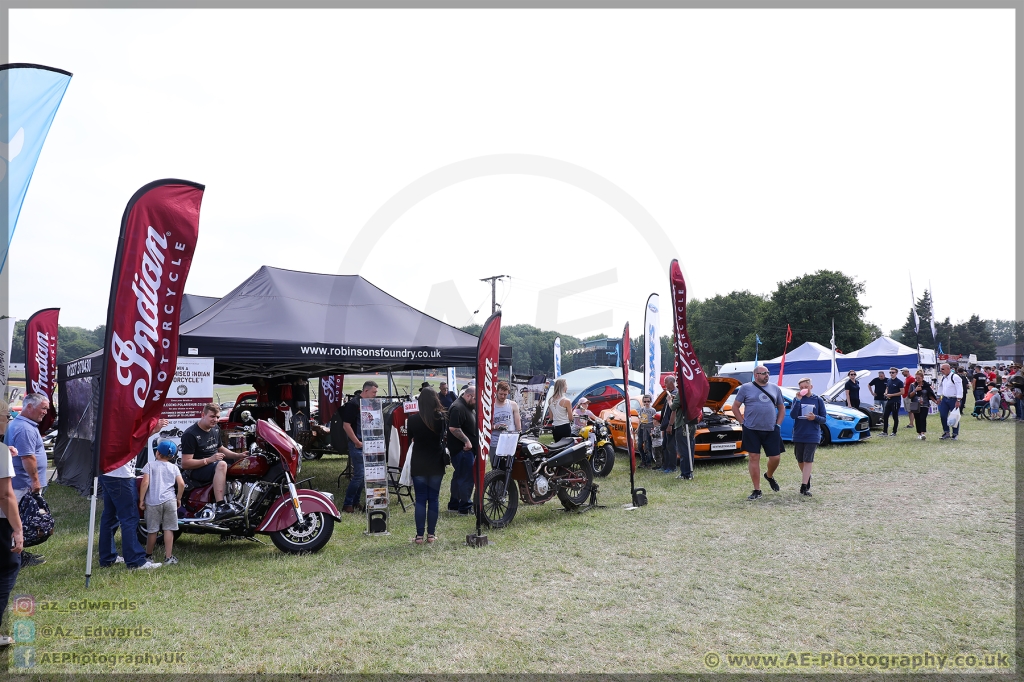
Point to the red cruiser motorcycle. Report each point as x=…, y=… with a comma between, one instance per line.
x=261, y=491
x=535, y=474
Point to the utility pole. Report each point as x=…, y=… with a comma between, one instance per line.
x=494, y=280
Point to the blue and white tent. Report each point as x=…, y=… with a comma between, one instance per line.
x=878, y=356
x=810, y=360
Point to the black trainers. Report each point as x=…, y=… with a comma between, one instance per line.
x=772, y=483
x=29, y=559
x=806, y=491
x=756, y=495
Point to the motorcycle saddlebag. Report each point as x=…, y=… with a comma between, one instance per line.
x=569, y=455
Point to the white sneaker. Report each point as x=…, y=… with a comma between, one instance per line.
x=148, y=565
x=119, y=559
x=920, y=436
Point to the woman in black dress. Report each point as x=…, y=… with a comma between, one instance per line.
x=426, y=431
x=922, y=392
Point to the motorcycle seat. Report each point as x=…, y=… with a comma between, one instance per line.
x=566, y=442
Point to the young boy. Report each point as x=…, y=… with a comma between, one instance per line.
x=808, y=414
x=995, y=400
x=646, y=415
x=160, y=479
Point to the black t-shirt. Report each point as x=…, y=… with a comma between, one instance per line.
x=350, y=415
x=878, y=387
x=894, y=385
x=462, y=416
x=427, y=457
x=854, y=388
x=200, y=444
x=447, y=399
x=980, y=381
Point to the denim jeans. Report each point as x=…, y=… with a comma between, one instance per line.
x=685, y=451
x=427, y=490
x=355, y=486
x=643, y=437
x=120, y=506
x=462, y=481
x=946, y=405
x=10, y=564
x=1020, y=409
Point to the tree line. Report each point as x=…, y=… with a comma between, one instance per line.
x=72, y=342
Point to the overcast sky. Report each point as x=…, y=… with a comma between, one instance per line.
x=765, y=143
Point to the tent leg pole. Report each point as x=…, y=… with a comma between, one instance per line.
x=92, y=528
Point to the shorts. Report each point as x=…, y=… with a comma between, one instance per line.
x=163, y=515
x=804, y=452
x=203, y=474
x=771, y=441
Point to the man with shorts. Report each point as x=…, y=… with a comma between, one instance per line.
x=808, y=419
x=908, y=381
x=205, y=459
x=763, y=410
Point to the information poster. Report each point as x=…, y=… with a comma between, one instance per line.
x=375, y=468
x=190, y=390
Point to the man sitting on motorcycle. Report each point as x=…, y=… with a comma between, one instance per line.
x=203, y=457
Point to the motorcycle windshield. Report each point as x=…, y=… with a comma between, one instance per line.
x=276, y=438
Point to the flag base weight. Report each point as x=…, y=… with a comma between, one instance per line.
x=640, y=497
x=474, y=540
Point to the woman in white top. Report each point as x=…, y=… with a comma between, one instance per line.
x=560, y=407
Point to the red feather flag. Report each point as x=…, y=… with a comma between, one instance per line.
x=159, y=231
x=785, y=349
x=691, y=380
x=486, y=386
x=625, y=388
x=41, y=359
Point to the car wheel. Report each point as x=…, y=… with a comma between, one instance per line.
x=826, y=437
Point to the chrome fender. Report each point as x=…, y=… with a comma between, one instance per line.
x=282, y=514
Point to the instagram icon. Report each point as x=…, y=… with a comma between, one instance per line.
x=24, y=605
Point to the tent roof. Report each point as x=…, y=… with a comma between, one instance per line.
x=882, y=346
x=192, y=305
x=807, y=351
x=281, y=322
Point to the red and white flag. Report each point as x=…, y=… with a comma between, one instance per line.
x=41, y=359
x=159, y=231
x=486, y=383
x=331, y=395
x=692, y=381
x=785, y=349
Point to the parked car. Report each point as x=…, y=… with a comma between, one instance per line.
x=843, y=424
x=718, y=435
x=836, y=395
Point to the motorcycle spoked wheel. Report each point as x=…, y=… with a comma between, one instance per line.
x=305, y=537
x=576, y=494
x=500, y=505
x=603, y=459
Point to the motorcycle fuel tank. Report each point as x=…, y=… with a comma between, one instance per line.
x=250, y=465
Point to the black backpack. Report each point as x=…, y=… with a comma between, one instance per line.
x=36, y=520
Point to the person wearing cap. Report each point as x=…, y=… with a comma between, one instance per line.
x=425, y=384
x=160, y=497
x=908, y=381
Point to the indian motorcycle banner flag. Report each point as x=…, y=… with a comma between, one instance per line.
x=159, y=231
x=486, y=382
x=692, y=381
x=330, y=396
x=41, y=359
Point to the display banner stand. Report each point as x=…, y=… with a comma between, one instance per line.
x=375, y=466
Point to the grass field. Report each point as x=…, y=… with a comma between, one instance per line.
x=907, y=547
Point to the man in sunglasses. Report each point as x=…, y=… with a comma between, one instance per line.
x=763, y=410
x=893, y=397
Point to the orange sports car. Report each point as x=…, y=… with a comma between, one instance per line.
x=718, y=435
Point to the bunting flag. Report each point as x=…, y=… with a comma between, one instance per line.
x=159, y=231
x=330, y=397
x=486, y=382
x=652, y=338
x=31, y=95
x=41, y=360
x=913, y=308
x=931, y=301
x=782, y=365
x=691, y=381
x=558, y=357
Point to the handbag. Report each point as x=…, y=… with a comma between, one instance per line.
x=36, y=520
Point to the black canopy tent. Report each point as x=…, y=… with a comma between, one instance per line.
x=288, y=323
x=192, y=305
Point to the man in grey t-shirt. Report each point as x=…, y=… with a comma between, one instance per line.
x=762, y=413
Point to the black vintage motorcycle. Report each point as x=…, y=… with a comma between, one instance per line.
x=535, y=474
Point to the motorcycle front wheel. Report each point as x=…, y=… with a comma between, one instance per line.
x=500, y=505
x=603, y=459
x=575, y=495
x=306, y=536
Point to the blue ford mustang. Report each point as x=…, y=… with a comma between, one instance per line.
x=843, y=424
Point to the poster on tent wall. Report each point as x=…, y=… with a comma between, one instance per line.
x=652, y=341
x=159, y=231
x=41, y=360
x=191, y=389
x=692, y=382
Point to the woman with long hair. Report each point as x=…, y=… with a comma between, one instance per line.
x=427, y=432
x=561, y=409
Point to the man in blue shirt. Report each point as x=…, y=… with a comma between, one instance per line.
x=763, y=411
x=445, y=396
x=808, y=418
x=30, y=464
